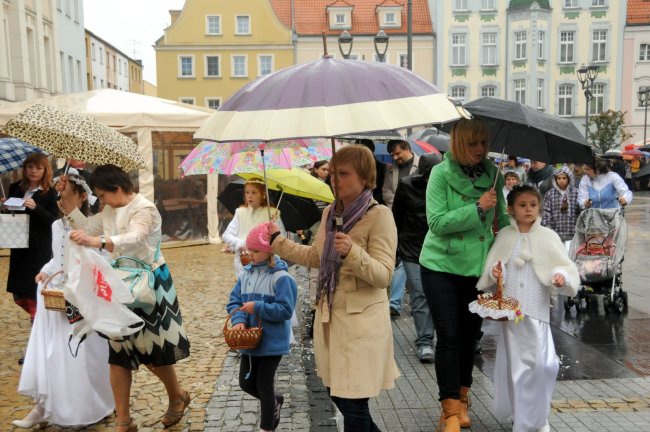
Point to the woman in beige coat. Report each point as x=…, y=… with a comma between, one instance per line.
x=353, y=338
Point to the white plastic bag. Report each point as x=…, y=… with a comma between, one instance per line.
x=97, y=291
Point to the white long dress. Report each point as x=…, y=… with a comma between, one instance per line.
x=72, y=391
x=526, y=365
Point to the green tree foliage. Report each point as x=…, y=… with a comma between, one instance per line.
x=607, y=130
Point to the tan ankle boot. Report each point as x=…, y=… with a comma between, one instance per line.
x=450, y=416
x=465, y=404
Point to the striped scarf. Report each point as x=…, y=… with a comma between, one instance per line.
x=330, y=261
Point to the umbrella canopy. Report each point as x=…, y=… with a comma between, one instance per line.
x=210, y=157
x=644, y=171
x=296, y=213
x=385, y=135
x=13, y=153
x=417, y=147
x=645, y=148
x=74, y=136
x=441, y=141
x=527, y=132
x=295, y=182
x=635, y=153
x=328, y=98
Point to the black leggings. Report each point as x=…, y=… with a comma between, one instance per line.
x=356, y=414
x=259, y=383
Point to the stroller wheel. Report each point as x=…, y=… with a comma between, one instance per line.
x=620, y=305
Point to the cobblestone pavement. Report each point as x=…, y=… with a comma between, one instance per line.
x=203, y=277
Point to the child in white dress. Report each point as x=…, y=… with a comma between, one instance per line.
x=68, y=391
x=534, y=265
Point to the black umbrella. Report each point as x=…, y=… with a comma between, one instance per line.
x=644, y=171
x=645, y=148
x=297, y=213
x=529, y=133
x=439, y=140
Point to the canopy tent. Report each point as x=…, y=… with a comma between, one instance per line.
x=143, y=118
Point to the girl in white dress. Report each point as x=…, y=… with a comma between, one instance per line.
x=69, y=391
x=536, y=266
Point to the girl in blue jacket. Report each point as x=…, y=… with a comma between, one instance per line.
x=266, y=290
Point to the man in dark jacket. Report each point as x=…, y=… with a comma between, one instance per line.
x=381, y=171
x=540, y=175
x=409, y=210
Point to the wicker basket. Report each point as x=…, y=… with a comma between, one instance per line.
x=496, y=306
x=245, y=339
x=53, y=297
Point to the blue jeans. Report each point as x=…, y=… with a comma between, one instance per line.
x=397, y=286
x=419, y=307
x=356, y=414
x=448, y=296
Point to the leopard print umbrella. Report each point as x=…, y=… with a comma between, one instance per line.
x=72, y=135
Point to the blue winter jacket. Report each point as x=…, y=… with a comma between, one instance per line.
x=274, y=292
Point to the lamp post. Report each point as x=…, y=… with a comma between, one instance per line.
x=586, y=76
x=345, y=44
x=644, y=97
x=381, y=44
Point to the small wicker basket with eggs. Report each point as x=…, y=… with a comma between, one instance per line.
x=497, y=307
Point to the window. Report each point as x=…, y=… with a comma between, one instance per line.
x=213, y=103
x=598, y=3
x=92, y=49
x=644, y=52
x=76, y=10
x=239, y=66
x=101, y=55
x=212, y=66
x=67, y=8
x=94, y=82
x=567, y=46
x=489, y=49
x=460, y=5
x=488, y=90
x=102, y=84
x=487, y=5
x=520, y=46
x=570, y=3
x=520, y=90
x=340, y=19
x=599, y=45
x=540, y=94
x=213, y=24
x=565, y=100
x=243, y=25
x=378, y=59
x=265, y=64
x=639, y=103
x=187, y=100
x=186, y=66
x=458, y=49
x=389, y=18
x=58, y=4
x=458, y=93
x=540, y=45
x=404, y=61
x=597, y=103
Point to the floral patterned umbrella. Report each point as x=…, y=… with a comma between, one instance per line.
x=74, y=136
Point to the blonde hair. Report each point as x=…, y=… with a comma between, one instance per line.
x=465, y=132
x=360, y=158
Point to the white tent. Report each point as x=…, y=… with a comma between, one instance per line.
x=132, y=113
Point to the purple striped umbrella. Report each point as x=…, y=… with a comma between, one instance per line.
x=328, y=98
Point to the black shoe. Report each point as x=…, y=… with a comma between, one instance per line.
x=394, y=312
x=279, y=400
x=21, y=360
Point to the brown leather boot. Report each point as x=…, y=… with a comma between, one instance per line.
x=450, y=416
x=465, y=404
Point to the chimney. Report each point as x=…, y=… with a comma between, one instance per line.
x=173, y=13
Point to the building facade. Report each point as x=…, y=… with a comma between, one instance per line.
x=108, y=67
x=214, y=47
x=530, y=50
x=72, y=48
x=29, y=54
x=362, y=19
x=636, y=68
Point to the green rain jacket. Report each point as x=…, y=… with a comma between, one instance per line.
x=458, y=240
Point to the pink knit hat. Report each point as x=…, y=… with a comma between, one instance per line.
x=258, y=238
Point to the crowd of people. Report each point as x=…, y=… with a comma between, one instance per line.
x=445, y=227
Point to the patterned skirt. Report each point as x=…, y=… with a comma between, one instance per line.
x=162, y=341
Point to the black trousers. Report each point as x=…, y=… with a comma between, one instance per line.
x=256, y=375
x=356, y=414
x=448, y=296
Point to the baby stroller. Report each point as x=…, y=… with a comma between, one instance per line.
x=597, y=249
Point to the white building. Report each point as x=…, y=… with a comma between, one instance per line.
x=29, y=54
x=529, y=51
x=72, y=50
x=109, y=67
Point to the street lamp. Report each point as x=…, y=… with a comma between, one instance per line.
x=644, y=97
x=345, y=44
x=586, y=76
x=381, y=44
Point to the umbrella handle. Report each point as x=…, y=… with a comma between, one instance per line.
x=3, y=190
x=277, y=206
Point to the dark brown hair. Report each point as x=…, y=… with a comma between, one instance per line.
x=110, y=177
x=520, y=190
x=79, y=190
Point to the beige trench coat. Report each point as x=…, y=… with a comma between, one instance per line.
x=354, y=350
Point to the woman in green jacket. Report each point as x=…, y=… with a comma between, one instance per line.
x=461, y=204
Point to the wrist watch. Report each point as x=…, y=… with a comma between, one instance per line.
x=102, y=238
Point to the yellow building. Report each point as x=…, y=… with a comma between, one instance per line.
x=214, y=47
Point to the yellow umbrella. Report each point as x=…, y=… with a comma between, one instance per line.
x=296, y=182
